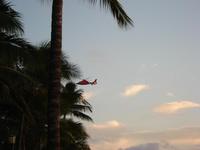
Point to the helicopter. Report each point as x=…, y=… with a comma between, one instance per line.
x=86, y=82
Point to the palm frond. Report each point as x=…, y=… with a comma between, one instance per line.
x=73, y=103
x=83, y=108
x=37, y=65
x=10, y=19
x=18, y=86
x=83, y=101
x=73, y=135
x=69, y=70
x=81, y=115
x=117, y=11
x=93, y=2
x=9, y=73
x=14, y=40
x=76, y=129
x=13, y=49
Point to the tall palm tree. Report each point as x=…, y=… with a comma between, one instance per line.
x=13, y=45
x=13, y=105
x=71, y=97
x=37, y=68
x=23, y=96
x=55, y=63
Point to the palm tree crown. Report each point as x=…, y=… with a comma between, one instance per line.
x=10, y=19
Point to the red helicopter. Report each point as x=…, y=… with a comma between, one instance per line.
x=86, y=82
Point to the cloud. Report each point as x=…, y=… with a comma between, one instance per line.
x=176, y=106
x=135, y=89
x=176, y=136
x=112, y=144
x=148, y=146
x=186, y=141
x=170, y=94
x=88, y=95
x=184, y=138
x=152, y=146
x=106, y=125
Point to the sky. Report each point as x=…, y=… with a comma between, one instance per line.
x=147, y=96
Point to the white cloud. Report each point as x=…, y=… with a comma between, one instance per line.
x=170, y=94
x=135, y=89
x=108, y=125
x=176, y=106
x=88, y=95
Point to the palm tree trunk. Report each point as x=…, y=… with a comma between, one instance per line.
x=54, y=77
x=21, y=133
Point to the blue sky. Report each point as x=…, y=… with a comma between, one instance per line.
x=148, y=76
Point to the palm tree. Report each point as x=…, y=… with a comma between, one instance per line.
x=23, y=98
x=16, y=68
x=12, y=103
x=13, y=47
x=73, y=103
x=55, y=63
x=71, y=98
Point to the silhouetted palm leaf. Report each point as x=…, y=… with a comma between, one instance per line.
x=69, y=70
x=73, y=135
x=117, y=11
x=81, y=115
x=13, y=49
x=18, y=86
x=10, y=19
x=37, y=65
x=83, y=108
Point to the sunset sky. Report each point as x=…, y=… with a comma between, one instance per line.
x=148, y=91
